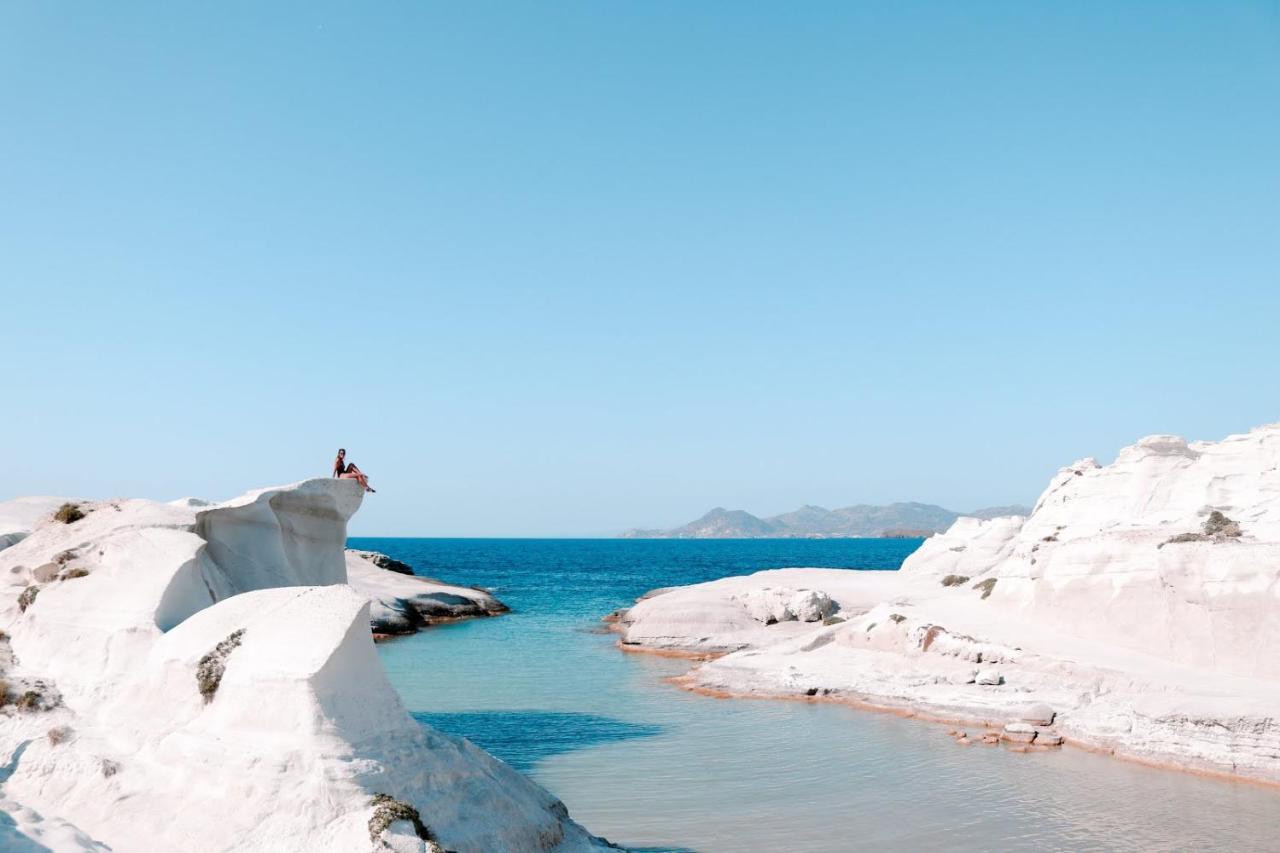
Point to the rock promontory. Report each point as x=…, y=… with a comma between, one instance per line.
x=202, y=676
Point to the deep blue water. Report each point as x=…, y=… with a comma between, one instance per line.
x=564, y=586
x=588, y=578
x=657, y=768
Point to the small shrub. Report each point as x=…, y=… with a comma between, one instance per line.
x=211, y=667
x=387, y=810
x=986, y=586
x=1183, y=537
x=77, y=572
x=29, y=701
x=59, y=734
x=68, y=513
x=28, y=597
x=65, y=557
x=4, y=693
x=1218, y=524
x=955, y=580
x=833, y=620
x=897, y=618
x=109, y=768
x=1216, y=528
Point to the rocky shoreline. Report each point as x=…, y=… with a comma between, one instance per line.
x=403, y=603
x=1113, y=610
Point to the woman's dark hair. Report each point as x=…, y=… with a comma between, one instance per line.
x=342, y=450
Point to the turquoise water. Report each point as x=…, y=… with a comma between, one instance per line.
x=657, y=768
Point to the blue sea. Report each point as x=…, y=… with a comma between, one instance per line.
x=656, y=768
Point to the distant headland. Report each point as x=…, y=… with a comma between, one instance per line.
x=815, y=522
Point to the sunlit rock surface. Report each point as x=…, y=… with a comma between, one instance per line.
x=1139, y=603
x=195, y=676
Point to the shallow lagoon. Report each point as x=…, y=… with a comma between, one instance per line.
x=651, y=766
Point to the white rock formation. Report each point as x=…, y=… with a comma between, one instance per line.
x=195, y=676
x=718, y=616
x=1156, y=649
x=403, y=603
x=18, y=516
x=784, y=604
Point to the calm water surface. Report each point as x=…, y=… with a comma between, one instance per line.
x=653, y=767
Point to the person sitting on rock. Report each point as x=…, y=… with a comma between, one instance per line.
x=344, y=470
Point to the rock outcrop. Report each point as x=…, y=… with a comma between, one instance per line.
x=402, y=603
x=1138, y=606
x=201, y=676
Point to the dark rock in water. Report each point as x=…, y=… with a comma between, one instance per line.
x=402, y=602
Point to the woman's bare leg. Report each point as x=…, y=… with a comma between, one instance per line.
x=359, y=476
x=362, y=477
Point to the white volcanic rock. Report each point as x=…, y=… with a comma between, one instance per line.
x=1154, y=649
x=1096, y=535
x=18, y=516
x=203, y=678
x=784, y=604
x=725, y=615
x=403, y=603
x=968, y=549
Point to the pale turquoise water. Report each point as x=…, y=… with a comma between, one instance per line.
x=648, y=765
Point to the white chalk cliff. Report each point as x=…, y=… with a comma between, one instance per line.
x=193, y=676
x=1137, y=610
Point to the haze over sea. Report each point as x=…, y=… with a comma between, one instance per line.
x=653, y=767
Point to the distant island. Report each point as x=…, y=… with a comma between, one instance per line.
x=815, y=522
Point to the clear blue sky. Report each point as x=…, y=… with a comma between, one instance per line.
x=567, y=268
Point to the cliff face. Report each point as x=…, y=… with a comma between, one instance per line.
x=1121, y=553
x=197, y=676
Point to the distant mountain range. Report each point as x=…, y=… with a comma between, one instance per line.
x=815, y=522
